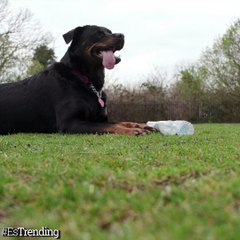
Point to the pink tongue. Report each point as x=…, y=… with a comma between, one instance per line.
x=108, y=59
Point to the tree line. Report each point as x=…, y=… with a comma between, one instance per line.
x=205, y=91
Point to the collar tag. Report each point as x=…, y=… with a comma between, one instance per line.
x=101, y=102
x=86, y=81
x=98, y=94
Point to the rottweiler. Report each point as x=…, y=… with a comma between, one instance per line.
x=67, y=97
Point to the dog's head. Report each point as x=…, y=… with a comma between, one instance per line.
x=95, y=45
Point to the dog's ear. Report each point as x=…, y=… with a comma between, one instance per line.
x=68, y=37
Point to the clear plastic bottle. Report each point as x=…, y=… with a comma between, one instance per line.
x=178, y=127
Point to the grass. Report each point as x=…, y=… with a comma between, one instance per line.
x=121, y=187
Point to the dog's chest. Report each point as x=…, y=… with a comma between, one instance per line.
x=93, y=110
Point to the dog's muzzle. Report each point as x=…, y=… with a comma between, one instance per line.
x=104, y=51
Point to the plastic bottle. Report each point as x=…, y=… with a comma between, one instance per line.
x=178, y=127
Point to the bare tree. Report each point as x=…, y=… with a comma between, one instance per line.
x=20, y=34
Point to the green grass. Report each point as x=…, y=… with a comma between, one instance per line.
x=122, y=187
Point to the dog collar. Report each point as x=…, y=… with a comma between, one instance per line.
x=86, y=81
x=98, y=94
x=83, y=78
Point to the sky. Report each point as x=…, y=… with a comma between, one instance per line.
x=158, y=33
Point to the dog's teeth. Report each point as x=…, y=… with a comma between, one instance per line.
x=100, y=54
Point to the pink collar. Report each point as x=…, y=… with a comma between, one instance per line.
x=86, y=81
x=84, y=78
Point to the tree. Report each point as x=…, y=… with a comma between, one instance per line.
x=20, y=34
x=222, y=64
x=187, y=94
x=222, y=61
x=43, y=57
x=155, y=80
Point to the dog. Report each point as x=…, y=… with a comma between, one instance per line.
x=67, y=97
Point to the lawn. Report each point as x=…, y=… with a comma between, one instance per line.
x=122, y=187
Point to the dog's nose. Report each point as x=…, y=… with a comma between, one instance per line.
x=119, y=35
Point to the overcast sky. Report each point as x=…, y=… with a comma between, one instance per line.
x=163, y=33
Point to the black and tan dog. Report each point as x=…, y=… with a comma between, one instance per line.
x=67, y=97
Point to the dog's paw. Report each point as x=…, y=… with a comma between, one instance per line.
x=141, y=131
x=135, y=131
x=137, y=125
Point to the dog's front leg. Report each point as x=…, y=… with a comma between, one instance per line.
x=103, y=128
x=78, y=127
x=68, y=118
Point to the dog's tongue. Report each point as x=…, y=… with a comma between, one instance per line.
x=108, y=59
